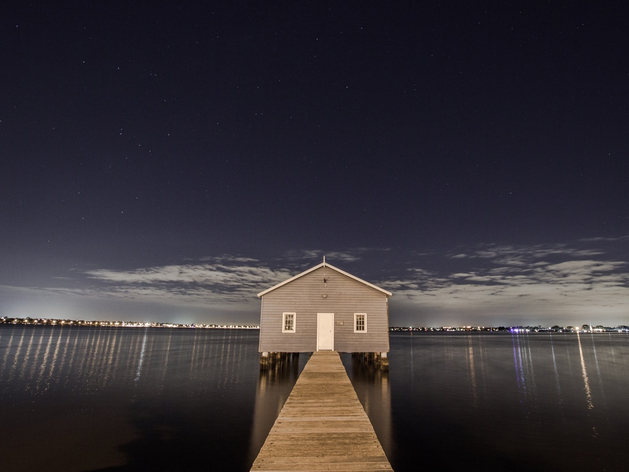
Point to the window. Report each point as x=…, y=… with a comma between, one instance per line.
x=288, y=322
x=360, y=322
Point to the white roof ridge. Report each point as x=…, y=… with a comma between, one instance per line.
x=324, y=264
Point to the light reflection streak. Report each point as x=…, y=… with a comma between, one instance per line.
x=600, y=379
x=586, y=382
x=37, y=360
x=96, y=355
x=116, y=353
x=482, y=355
x=533, y=388
x=132, y=351
x=518, y=363
x=165, y=363
x=36, y=356
x=137, y=375
x=229, y=357
x=598, y=370
x=552, y=348
x=64, y=359
x=84, y=344
x=611, y=346
x=568, y=358
x=109, y=355
x=412, y=365
x=53, y=362
x=525, y=374
x=102, y=357
x=236, y=376
x=44, y=364
x=204, y=355
x=26, y=357
x=193, y=355
x=470, y=358
x=7, y=350
x=221, y=381
x=13, y=371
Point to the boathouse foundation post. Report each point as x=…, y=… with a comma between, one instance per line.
x=379, y=360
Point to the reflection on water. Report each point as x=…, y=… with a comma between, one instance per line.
x=273, y=388
x=373, y=390
x=524, y=371
x=557, y=383
x=107, y=399
x=584, y=373
x=509, y=401
x=598, y=369
x=137, y=375
x=470, y=358
x=125, y=399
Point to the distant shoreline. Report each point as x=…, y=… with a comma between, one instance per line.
x=4, y=321
x=514, y=329
x=7, y=321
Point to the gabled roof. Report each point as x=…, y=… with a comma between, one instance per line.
x=318, y=266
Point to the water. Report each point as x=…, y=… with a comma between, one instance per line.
x=107, y=399
x=510, y=402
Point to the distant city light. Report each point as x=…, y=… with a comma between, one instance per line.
x=119, y=324
x=585, y=328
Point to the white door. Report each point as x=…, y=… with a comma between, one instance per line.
x=325, y=331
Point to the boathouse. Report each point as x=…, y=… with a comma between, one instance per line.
x=324, y=309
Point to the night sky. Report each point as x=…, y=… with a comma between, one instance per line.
x=167, y=161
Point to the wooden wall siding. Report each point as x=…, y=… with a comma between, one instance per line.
x=304, y=296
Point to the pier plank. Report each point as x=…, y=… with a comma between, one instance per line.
x=322, y=426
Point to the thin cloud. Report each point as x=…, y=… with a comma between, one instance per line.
x=492, y=282
x=230, y=281
x=210, y=281
x=505, y=253
x=308, y=256
x=205, y=274
x=520, y=281
x=607, y=239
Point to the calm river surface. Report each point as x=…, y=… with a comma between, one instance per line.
x=131, y=399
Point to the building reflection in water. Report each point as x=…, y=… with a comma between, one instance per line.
x=373, y=390
x=274, y=386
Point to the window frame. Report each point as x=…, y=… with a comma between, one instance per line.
x=364, y=323
x=294, y=322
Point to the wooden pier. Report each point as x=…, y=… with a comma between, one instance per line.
x=322, y=425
